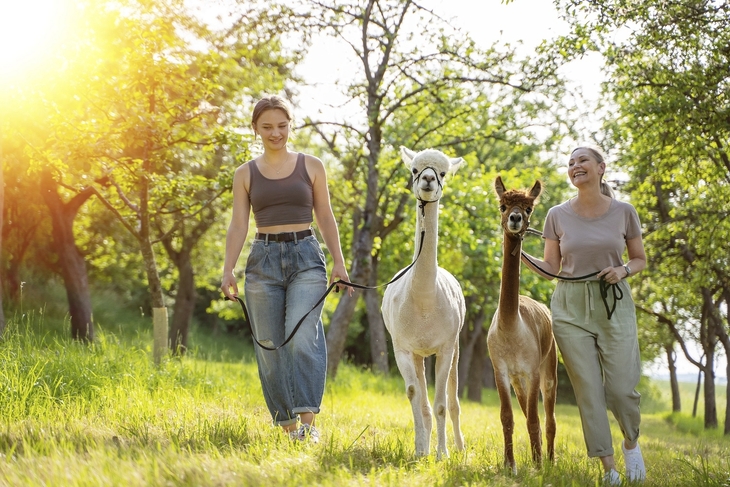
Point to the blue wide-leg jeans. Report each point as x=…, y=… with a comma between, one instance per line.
x=284, y=280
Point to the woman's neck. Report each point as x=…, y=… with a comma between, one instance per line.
x=277, y=156
x=591, y=196
x=590, y=203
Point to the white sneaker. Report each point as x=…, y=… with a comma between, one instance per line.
x=612, y=477
x=308, y=432
x=635, y=469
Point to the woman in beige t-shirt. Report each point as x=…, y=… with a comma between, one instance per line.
x=585, y=235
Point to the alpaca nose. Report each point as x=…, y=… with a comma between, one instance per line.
x=515, y=218
x=429, y=178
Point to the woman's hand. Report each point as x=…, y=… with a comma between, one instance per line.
x=229, y=286
x=339, y=272
x=612, y=275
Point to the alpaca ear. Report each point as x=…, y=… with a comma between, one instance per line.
x=407, y=155
x=536, y=189
x=499, y=186
x=455, y=164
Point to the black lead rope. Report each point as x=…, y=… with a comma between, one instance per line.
x=321, y=299
x=604, y=286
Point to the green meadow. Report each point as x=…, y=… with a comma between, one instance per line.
x=105, y=415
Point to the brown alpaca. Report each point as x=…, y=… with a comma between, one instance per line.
x=520, y=339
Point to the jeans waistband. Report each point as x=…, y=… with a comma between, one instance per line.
x=284, y=236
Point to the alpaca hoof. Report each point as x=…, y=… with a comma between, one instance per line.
x=460, y=443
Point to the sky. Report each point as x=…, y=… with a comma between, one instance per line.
x=487, y=21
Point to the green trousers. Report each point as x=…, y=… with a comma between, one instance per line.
x=602, y=359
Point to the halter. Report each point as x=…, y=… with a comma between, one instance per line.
x=423, y=203
x=521, y=234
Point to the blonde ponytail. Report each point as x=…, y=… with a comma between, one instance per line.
x=607, y=190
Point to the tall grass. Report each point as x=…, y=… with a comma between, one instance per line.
x=104, y=415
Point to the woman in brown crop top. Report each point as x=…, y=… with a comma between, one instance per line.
x=588, y=234
x=285, y=269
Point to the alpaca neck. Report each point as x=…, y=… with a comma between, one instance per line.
x=425, y=269
x=509, y=292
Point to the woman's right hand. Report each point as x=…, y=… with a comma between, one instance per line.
x=229, y=286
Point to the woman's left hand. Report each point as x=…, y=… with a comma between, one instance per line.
x=612, y=275
x=339, y=272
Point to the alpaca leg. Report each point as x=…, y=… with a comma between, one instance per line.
x=443, y=370
x=505, y=415
x=405, y=361
x=424, y=408
x=533, y=420
x=452, y=394
x=549, y=388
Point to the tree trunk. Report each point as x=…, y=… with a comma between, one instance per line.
x=468, y=341
x=673, y=381
x=489, y=380
x=159, y=311
x=70, y=260
x=337, y=332
x=477, y=369
x=697, y=393
x=709, y=394
x=725, y=340
x=378, y=335
x=12, y=277
x=726, y=431
x=708, y=340
x=184, y=305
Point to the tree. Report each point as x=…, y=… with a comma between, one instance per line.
x=418, y=79
x=247, y=59
x=157, y=87
x=70, y=260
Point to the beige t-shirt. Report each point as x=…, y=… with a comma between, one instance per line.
x=588, y=245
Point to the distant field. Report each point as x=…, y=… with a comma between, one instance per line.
x=687, y=395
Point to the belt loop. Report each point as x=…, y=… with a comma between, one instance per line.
x=267, y=239
x=296, y=238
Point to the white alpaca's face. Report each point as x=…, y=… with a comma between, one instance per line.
x=428, y=170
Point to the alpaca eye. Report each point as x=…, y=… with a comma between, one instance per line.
x=443, y=174
x=502, y=208
x=415, y=171
x=528, y=211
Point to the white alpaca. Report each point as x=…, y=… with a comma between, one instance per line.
x=424, y=310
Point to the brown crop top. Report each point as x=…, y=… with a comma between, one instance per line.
x=281, y=201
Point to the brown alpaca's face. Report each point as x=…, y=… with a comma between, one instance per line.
x=516, y=206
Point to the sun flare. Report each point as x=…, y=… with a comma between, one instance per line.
x=30, y=32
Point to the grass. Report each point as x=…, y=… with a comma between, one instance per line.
x=104, y=415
